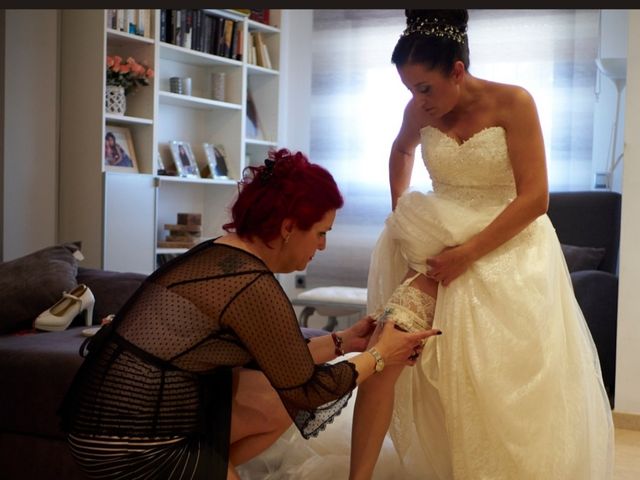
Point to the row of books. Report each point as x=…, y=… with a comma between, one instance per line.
x=134, y=21
x=202, y=31
x=258, y=53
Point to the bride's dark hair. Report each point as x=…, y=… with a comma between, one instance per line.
x=434, y=38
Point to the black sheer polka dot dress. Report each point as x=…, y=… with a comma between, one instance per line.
x=152, y=398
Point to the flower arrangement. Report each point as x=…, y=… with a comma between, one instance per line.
x=129, y=74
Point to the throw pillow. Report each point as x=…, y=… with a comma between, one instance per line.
x=31, y=284
x=582, y=258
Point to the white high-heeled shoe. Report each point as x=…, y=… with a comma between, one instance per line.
x=62, y=313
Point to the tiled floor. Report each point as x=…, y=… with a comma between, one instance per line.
x=627, y=455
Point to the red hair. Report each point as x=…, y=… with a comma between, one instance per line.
x=286, y=186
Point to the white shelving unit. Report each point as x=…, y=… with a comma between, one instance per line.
x=120, y=217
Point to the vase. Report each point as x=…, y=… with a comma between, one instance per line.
x=115, y=100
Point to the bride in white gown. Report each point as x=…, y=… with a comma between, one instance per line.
x=512, y=390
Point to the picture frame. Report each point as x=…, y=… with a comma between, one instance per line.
x=216, y=161
x=119, y=152
x=184, y=159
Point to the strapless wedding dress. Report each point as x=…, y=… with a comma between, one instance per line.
x=512, y=390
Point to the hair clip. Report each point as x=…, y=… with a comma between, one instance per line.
x=267, y=172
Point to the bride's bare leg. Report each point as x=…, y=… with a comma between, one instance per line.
x=374, y=402
x=258, y=417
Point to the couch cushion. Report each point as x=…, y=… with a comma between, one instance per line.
x=110, y=289
x=31, y=284
x=582, y=258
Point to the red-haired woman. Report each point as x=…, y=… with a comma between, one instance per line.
x=205, y=365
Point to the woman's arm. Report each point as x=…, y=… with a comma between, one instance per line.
x=353, y=339
x=402, y=153
x=526, y=151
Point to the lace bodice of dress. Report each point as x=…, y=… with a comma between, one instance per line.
x=475, y=171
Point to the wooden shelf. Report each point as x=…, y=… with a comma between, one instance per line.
x=126, y=120
x=188, y=101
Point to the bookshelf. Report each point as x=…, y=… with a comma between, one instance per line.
x=120, y=216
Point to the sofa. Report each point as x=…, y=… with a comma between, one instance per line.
x=35, y=372
x=36, y=368
x=588, y=227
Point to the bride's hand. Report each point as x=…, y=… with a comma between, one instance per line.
x=449, y=264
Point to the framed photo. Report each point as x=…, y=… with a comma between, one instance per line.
x=216, y=160
x=119, y=154
x=184, y=159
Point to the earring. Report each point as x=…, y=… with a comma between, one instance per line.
x=286, y=239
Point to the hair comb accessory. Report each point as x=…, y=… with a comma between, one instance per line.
x=267, y=172
x=435, y=28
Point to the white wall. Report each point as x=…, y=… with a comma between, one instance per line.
x=30, y=131
x=628, y=352
x=295, y=118
x=613, y=44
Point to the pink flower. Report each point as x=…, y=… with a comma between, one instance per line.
x=130, y=75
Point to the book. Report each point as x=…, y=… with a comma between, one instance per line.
x=163, y=25
x=239, y=44
x=258, y=49
x=261, y=51
x=220, y=36
x=131, y=21
x=188, y=29
x=260, y=15
x=234, y=40
x=228, y=33
x=252, y=124
x=120, y=17
x=265, y=56
x=143, y=28
x=112, y=15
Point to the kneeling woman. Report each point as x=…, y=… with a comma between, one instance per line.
x=205, y=365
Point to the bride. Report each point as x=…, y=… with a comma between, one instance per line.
x=513, y=388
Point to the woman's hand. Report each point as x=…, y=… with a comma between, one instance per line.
x=449, y=264
x=356, y=338
x=398, y=347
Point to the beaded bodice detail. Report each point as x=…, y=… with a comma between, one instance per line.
x=476, y=171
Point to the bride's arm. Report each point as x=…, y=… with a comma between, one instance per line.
x=526, y=152
x=402, y=153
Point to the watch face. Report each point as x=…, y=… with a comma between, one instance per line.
x=379, y=365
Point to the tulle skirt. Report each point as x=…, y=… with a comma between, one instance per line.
x=511, y=390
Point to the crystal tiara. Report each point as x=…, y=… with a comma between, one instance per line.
x=435, y=28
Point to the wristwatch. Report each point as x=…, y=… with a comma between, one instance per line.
x=378, y=358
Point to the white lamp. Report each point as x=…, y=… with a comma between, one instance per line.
x=616, y=70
